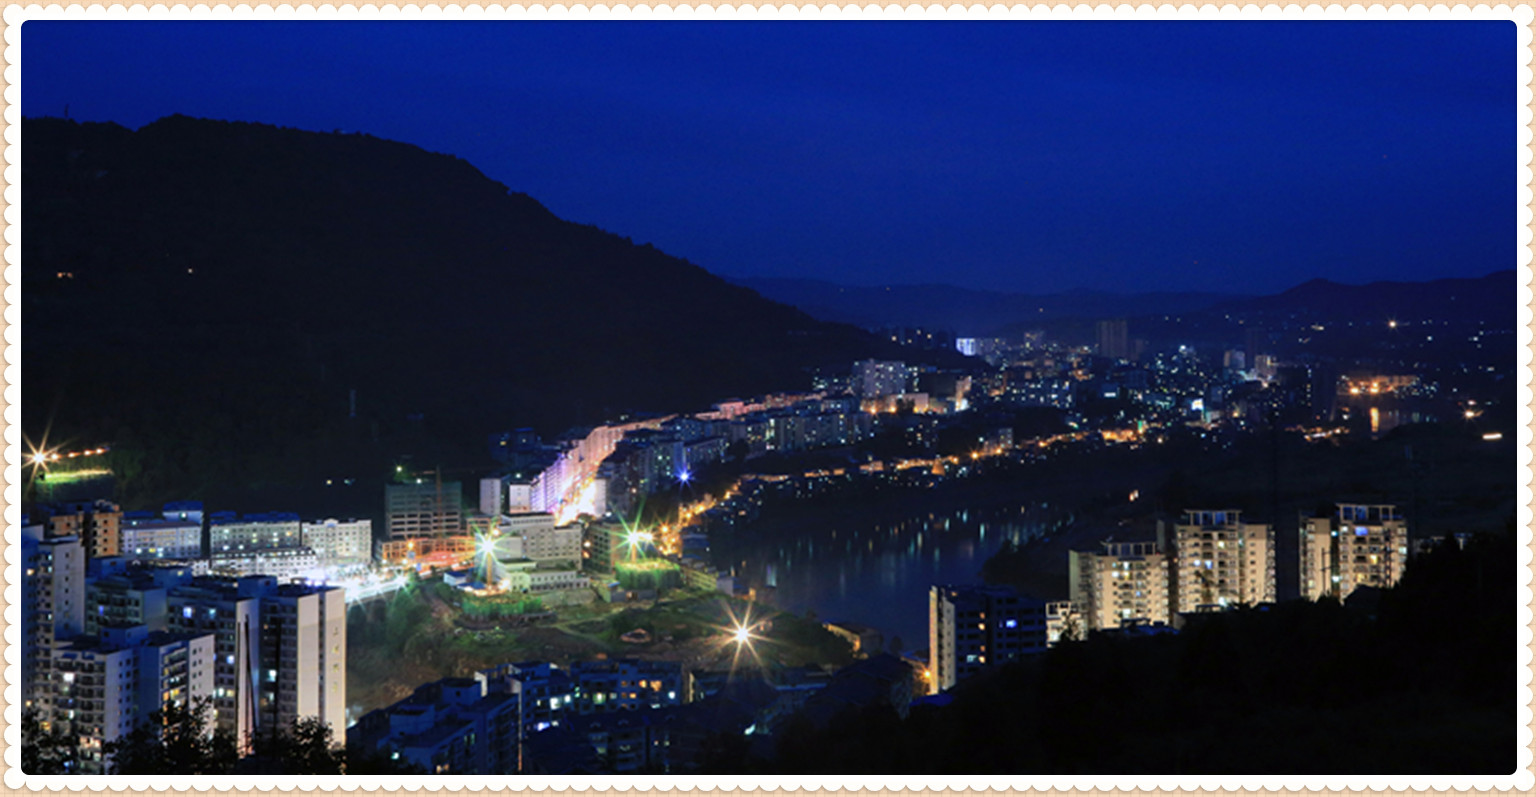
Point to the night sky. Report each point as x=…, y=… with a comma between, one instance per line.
x=1026, y=156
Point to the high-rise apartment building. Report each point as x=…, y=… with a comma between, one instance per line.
x=303, y=662
x=52, y=608
x=105, y=685
x=1124, y=583
x=280, y=649
x=1221, y=561
x=875, y=378
x=973, y=627
x=427, y=509
x=217, y=606
x=1357, y=545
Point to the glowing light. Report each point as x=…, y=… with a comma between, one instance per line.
x=742, y=635
x=685, y=476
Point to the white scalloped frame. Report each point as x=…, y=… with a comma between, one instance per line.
x=15, y=15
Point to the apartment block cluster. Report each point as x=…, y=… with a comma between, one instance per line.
x=224, y=543
x=619, y=715
x=1211, y=560
x=1208, y=560
x=108, y=640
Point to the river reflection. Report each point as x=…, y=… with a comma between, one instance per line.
x=877, y=574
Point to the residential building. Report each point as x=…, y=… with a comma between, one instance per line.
x=1123, y=583
x=339, y=543
x=145, y=536
x=303, y=662
x=876, y=378
x=108, y=684
x=1356, y=545
x=1220, y=561
x=232, y=535
x=280, y=649
x=450, y=727
x=136, y=597
x=282, y=563
x=97, y=523
x=626, y=684
x=52, y=608
x=974, y=627
x=217, y=606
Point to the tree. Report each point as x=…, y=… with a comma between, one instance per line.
x=174, y=739
x=306, y=747
x=47, y=751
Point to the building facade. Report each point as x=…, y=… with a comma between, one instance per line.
x=1221, y=561
x=427, y=509
x=973, y=627
x=340, y=543
x=1123, y=583
x=1358, y=545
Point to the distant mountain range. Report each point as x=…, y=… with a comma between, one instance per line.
x=1491, y=298
x=975, y=312
x=232, y=305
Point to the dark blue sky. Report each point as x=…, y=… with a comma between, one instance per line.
x=1027, y=156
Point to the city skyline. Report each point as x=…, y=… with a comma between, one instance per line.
x=1239, y=157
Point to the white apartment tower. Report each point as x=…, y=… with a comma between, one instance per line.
x=108, y=684
x=1221, y=561
x=1125, y=583
x=1358, y=545
x=53, y=607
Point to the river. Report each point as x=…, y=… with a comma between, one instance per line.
x=877, y=573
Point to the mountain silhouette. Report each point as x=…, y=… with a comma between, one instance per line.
x=238, y=304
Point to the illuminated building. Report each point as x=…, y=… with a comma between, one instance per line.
x=97, y=523
x=1357, y=545
x=106, y=685
x=303, y=663
x=1124, y=583
x=432, y=509
x=876, y=378
x=973, y=627
x=145, y=536
x=280, y=563
x=1220, y=561
x=626, y=684
x=280, y=649
x=231, y=535
x=52, y=608
x=547, y=691
x=217, y=606
x=339, y=543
